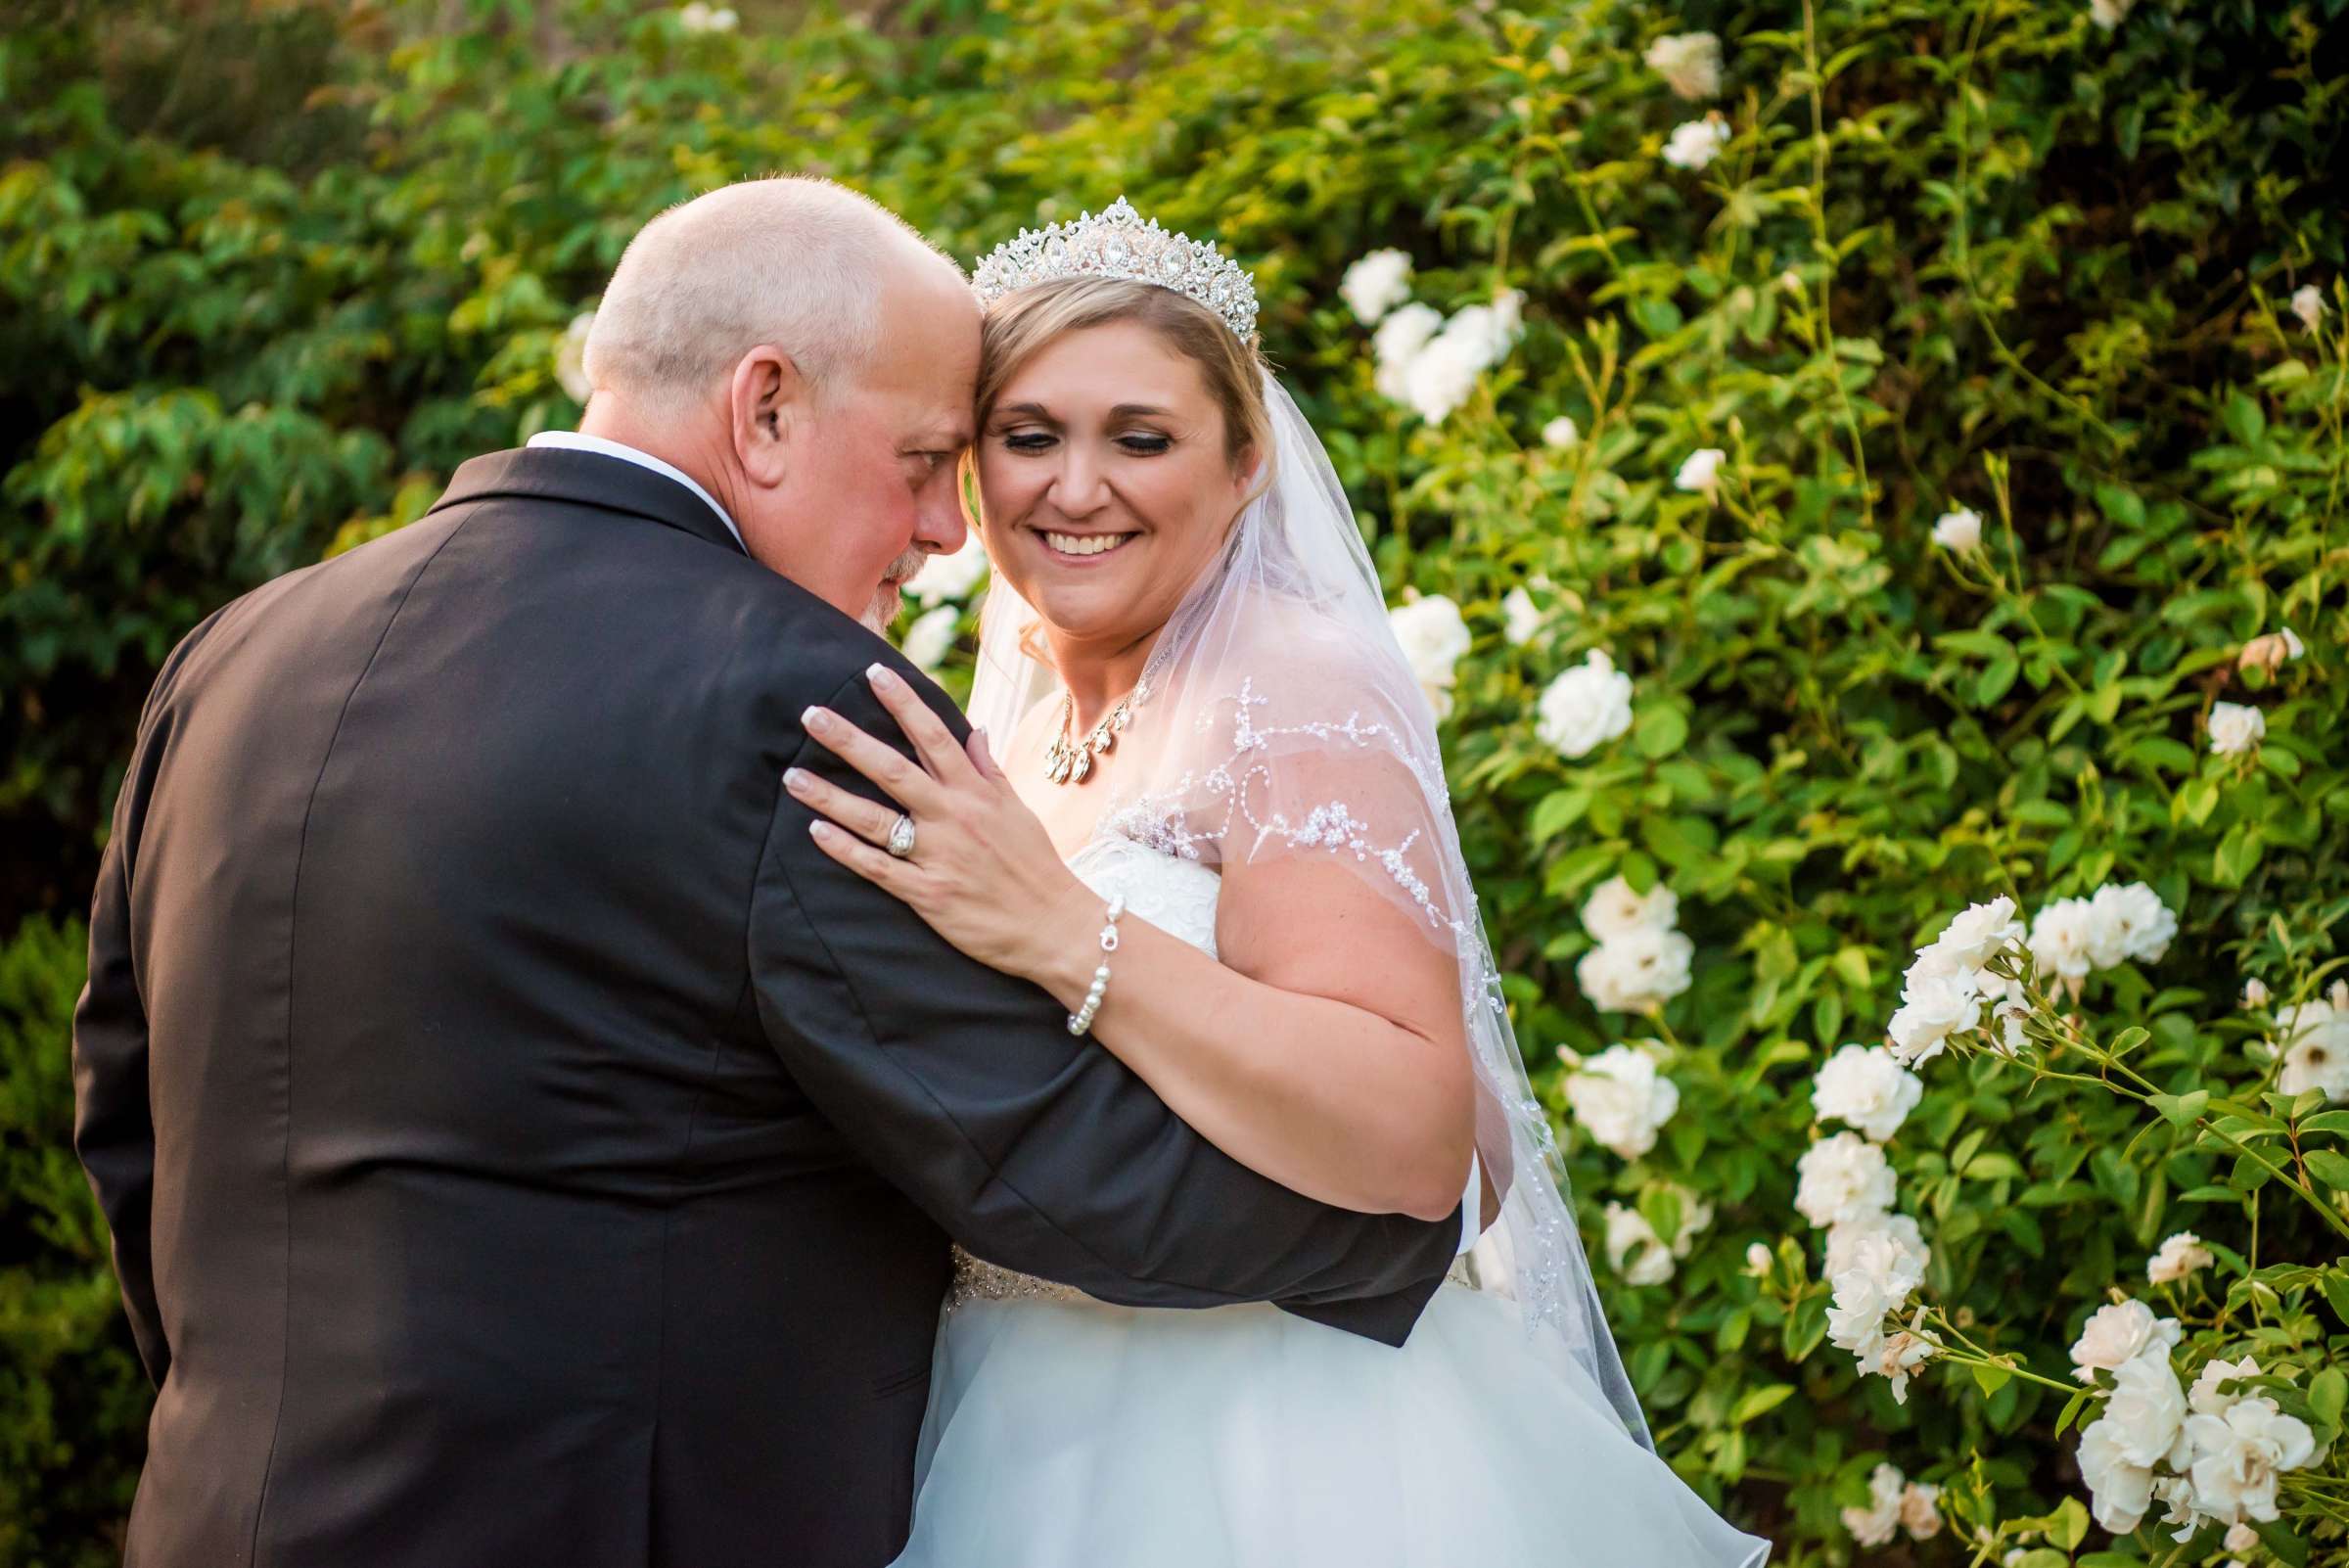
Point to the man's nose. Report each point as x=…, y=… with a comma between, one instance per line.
x=938, y=524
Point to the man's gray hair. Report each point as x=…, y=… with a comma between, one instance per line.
x=797, y=262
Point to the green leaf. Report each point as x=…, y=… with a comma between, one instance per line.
x=2071, y=1409
x=2328, y=1393
x=1997, y=677
x=1991, y=1378
x=2180, y=1109
x=2334, y=1283
x=2283, y=1541
x=2237, y=852
x=1992, y=1167
x=2243, y=419
x=1556, y=812
x=1661, y=730
x=1759, y=1400
x=2067, y=1526
x=2330, y=1166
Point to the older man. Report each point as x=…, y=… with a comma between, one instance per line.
x=522, y=1145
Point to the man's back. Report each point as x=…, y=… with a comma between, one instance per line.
x=483, y=1204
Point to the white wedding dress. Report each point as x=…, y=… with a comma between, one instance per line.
x=1064, y=1432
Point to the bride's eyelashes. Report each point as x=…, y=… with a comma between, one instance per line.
x=1139, y=443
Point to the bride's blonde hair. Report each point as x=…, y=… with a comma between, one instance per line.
x=1019, y=326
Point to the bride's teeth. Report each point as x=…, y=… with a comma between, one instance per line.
x=1081, y=544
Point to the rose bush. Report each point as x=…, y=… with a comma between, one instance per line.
x=1840, y=464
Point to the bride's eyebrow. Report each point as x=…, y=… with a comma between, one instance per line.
x=1035, y=411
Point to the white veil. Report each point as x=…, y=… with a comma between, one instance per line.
x=1278, y=716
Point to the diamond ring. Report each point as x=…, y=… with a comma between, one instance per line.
x=900, y=837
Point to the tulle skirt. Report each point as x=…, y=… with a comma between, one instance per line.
x=1078, y=1435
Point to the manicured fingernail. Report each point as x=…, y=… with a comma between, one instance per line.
x=795, y=779
x=883, y=678
x=816, y=721
x=821, y=832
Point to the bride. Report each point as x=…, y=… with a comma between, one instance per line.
x=1220, y=833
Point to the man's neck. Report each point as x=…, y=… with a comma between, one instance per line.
x=689, y=446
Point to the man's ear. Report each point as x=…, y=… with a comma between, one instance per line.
x=766, y=406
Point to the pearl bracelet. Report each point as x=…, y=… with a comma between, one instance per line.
x=1082, y=1019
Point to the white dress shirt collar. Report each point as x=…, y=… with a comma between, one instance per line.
x=575, y=442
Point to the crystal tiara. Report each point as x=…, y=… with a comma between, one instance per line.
x=1122, y=244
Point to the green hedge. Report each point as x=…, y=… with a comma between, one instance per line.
x=271, y=271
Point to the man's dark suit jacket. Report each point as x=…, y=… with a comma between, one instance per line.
x=522, y=1145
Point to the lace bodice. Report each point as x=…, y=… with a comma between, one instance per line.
x=1176, y=895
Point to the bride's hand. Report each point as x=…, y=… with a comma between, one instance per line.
x=983, y=871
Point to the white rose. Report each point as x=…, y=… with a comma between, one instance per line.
x=1961, y=529
x=1622, y=1100
x=1520, y=618
x=2119, y=1491
x=1875, y=1524
x=1842, y=1177
x=1376, y=284
x=1484, y=332
x=1560, y=432
x=1634, y=1249
x=2308, y=303
x=2204, y=1398
x=2180, y=1256
x=1863, y=1085
x=570, y=357
x=1614, y=911
x=1688, y=61
x=1584, y=707
x=1845, y=1235
x=948, y=576
x=2176, y=1494
x=2146, y=1407
x=1934, y=1007
x=698, y=18
x=2110, y=13
x=2235, y=728
x=1759, y=1259
x=1434, y=639
x=1696, y=1214
x=1697, y=142
x=1973, y=937
x=1638, y=970
x=2239, y=1538
x=2241, y=1454
x=931, y=635
x=2063, y=937
x=1441, y=376
x=1877, y=1280
x=2255, y=993
x=1920, y=1510
x=2118, y=1333
x=1399, y=341
x=2131, y=922
x=1700, y=474
x=2316, y=1052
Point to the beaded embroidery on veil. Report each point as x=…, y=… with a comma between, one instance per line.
x=1281, y=719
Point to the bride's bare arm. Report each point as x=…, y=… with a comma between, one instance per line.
x=1325, y=1049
